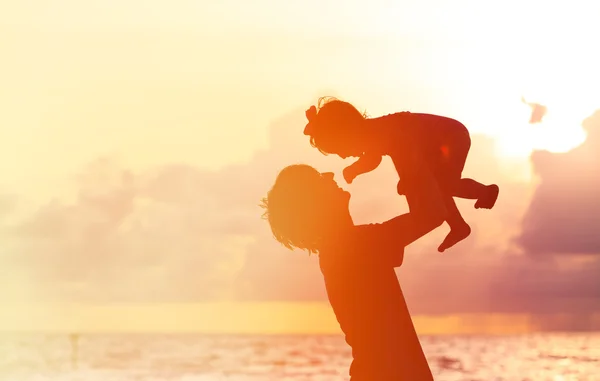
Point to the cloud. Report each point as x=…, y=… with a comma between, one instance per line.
x=484, y=274
x=155, y=236
x=564, y=215
x=175, y=233
x=538, y=111
x=181, y=233
x=273, y=273
x=8, y=203
x=555, y=265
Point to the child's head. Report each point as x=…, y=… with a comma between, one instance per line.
x=334, y=127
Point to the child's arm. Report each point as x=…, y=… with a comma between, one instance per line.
x=366, y=163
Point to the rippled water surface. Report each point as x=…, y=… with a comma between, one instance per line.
x=555, y=357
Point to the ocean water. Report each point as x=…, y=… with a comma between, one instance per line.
x=553, y=357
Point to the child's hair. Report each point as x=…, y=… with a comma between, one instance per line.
x=331, y=120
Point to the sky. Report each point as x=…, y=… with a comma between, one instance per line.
x=137, y=138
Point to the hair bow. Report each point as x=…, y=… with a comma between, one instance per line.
x=311, y=114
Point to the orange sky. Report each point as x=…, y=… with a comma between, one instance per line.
x=128, y=128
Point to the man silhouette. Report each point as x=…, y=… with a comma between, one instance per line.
x=307, y=210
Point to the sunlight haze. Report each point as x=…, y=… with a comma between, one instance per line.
x=128, y=130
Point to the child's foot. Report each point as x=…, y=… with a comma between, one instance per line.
x=348, y=175
x=488, y=200
x=456, y=235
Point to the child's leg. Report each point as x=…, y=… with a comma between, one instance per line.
x=486, y=195
x=459, y=228
x=449, y=164
x=468, y=189
x=453, y=158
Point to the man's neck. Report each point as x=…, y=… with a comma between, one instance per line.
x=338, y=228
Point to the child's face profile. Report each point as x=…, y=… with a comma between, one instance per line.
x=344, y=148
x=337, y=137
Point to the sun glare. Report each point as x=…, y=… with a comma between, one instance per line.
x=552, y=66
x=557, y=132
x=560, y=128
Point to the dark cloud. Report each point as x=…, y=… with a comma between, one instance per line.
x=490, y=280
x=564, y=215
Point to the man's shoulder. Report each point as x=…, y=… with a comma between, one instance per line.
x=376, y=235
x=364, y=233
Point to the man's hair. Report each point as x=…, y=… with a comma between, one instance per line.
x=293, y=208
x=334, y=119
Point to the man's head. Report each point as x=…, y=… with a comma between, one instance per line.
x=304, y=206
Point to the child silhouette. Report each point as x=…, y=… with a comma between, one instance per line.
x=337, y=127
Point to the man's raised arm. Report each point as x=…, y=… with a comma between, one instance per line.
x=427, y=212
